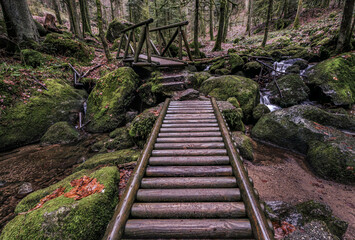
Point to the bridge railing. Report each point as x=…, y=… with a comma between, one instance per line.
x=128, y=36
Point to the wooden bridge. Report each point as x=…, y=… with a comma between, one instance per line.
x=153, y=55
x=190, y=182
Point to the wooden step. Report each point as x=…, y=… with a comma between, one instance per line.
x=189, y=195
x=188, y=125
x=186, y=121
x=173, y=78
x=189, y=116
x=189, y=210
x=191, y=134
x=188, y=171
x=190, y=152
x=173, y=86
x=189, y=182
x=202, y=145
x=189, y=161
x=188, y=228
x=196, y=129
x=190, y=108
x=170, y=111
x=189, y=102
x=189, y=139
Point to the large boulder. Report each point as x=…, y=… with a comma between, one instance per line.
x=119, y=139
x=293, y=90
x=243, y=89
x=259, y=111
x=244, y=144
x=64, y=217
x=109, y=100
x=196, y=79
x=333, y=80
x=115, y=27
x=26, y=122
x=308, y=129
x=60, y=133
x=32, y=58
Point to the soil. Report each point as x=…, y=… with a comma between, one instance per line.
x=281, y=175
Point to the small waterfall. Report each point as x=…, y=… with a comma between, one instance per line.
x=264, y=99
x=283, y=65
x=85, y=106
x=207, y=68
x=80, y=120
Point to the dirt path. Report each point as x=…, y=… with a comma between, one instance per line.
x=282, y=175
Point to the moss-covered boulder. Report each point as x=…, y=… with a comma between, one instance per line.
x=259, y=111
x=115, y=27
x=234, y=102
x=60, y=132
x=142, y=125
x=32, y=58
x=148, y=93
x=66, y=218
x=108, y=101
x=221, y=63
x=252, y=69
x=245, y=90
x=25, y=123
x=333, y=80
x=244, y=144
x=112, y=159
x=292, y=88
x=233, y=115
x=198, y=78
x=62, y=44
x=119, y=139
x=223, y=71
x=236, y=62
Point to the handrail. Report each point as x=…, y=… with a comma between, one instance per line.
x=116, y=226
x=257, y=217
x=150, y=20
x=170, y=26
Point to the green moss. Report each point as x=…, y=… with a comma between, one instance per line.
x=60, y=132
x=26, y=122
x=141, y=127
x=112, y=158
x=32, y=58
x=109, y=99
x=244, y=144
x=223, y=71
x=251, y=69
x=198, y=78
x=65, y=218
x=115, y=27
x=236, y=62
x=217, y=65
x=61, y=44
x=259, y=111
x=243, y=89
x=234, y=119
x=147, y=93
x=234, y=102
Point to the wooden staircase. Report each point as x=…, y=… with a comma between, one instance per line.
x=188, y=188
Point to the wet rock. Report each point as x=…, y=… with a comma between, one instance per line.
x=332, y=81
x=293, y=69
x=223, y=71
x=244, y=144
x=293, y=90
x=232, y=115
x=188, y=94
x=259, y=111
x=282, y=211
x=60, y=133
x=252, y=69
x=236, y=62
x=146, y=94
x=198, y=78
x=217, y=65
x=303, y=64
x=130, y=115
x=25, y=189
x=315, y=230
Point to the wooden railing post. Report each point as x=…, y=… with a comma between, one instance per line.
x=180, y=43
x=149, y=58
x=140, y=45
x=120, y=46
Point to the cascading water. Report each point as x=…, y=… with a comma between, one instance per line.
x=264, y=99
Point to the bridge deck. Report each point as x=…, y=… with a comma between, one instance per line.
x=158, y=61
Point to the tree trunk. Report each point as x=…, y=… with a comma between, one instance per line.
x=226, y=21
x=112, y=10
x=197, y=49
x=269, y=13
x=74, y=18
x=345, y=27
x=211, y=20
x=84, y=17
x=296, y=23
x=218, y=44
x=57, y=12
x=248, y=30
x=101, y=31
x=19, y=22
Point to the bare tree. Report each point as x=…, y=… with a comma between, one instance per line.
x=345, y=32
x=269, y=13
x=101, y=31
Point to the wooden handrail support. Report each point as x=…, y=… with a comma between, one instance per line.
x=170, y=26
x=150, y=20
x=115, y=228
x=260, y=226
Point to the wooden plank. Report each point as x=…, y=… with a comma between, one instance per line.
x=183, y=125
x=191, y=134
x=190, y=108
x=189, y=210
x=167, y=121
x=189, y=161
x=196, y=129
x=189, y=182
x=188, y=111
x=190, y=152
x=185, y=228
x=189, y=140
x=189, y=116
x=188, y=171
x=198, y=145
x=189, y=195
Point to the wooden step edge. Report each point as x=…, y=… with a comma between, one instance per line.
x=188, y=171
x=188, y=182
x=189, y=161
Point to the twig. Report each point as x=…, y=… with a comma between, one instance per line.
x=38, y=82
x=90, y=70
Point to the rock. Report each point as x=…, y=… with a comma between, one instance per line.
x=316, y=230
x=223, y=71
x=111, y=158
x=234, y=102
x=303, y=64
x=143, y=124
x=293, y=90
x=236, y=62
x=188, y=94
x=244, y=144
x=280, y=211
x=25, y=189
x=66, y=218
x=259, y=111
x=62, y=44
x=146, y=94
x=312, y=131
x=130, y=115
x=108, y=102
x=41, y=30
x=60, y=133
x=115, y=27
x=221, y=63
x=198, y=78
x=26, y=123
x=245, y=90
x=293, y=69
x=119, y=139
x=32, y=58
x=332, y=81
x=232, y=115
x=252, y=69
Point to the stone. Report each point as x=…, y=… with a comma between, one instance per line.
x=259, y=111
x=236, y=62
x=188, y=94
x=130, y=115
x=316, y=230
x=252, y=69
x=232, y=115
x=280, y=211
x=244, y=144
x=119, y=139
x=198, y=78
x=60, y=133
x=32, y=58
x=293, y=69
x=25, y=189
x=115, y=27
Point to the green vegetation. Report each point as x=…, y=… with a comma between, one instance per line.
x=60, y=132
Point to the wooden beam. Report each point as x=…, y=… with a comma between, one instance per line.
x=180, y=43
x=140, y=45
x=147, y=41
x=179, y=24
x=163, y=43
x=170, y=42
x=187, y=45
x=138, y=25
x=120, y=46
x=128, y=44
